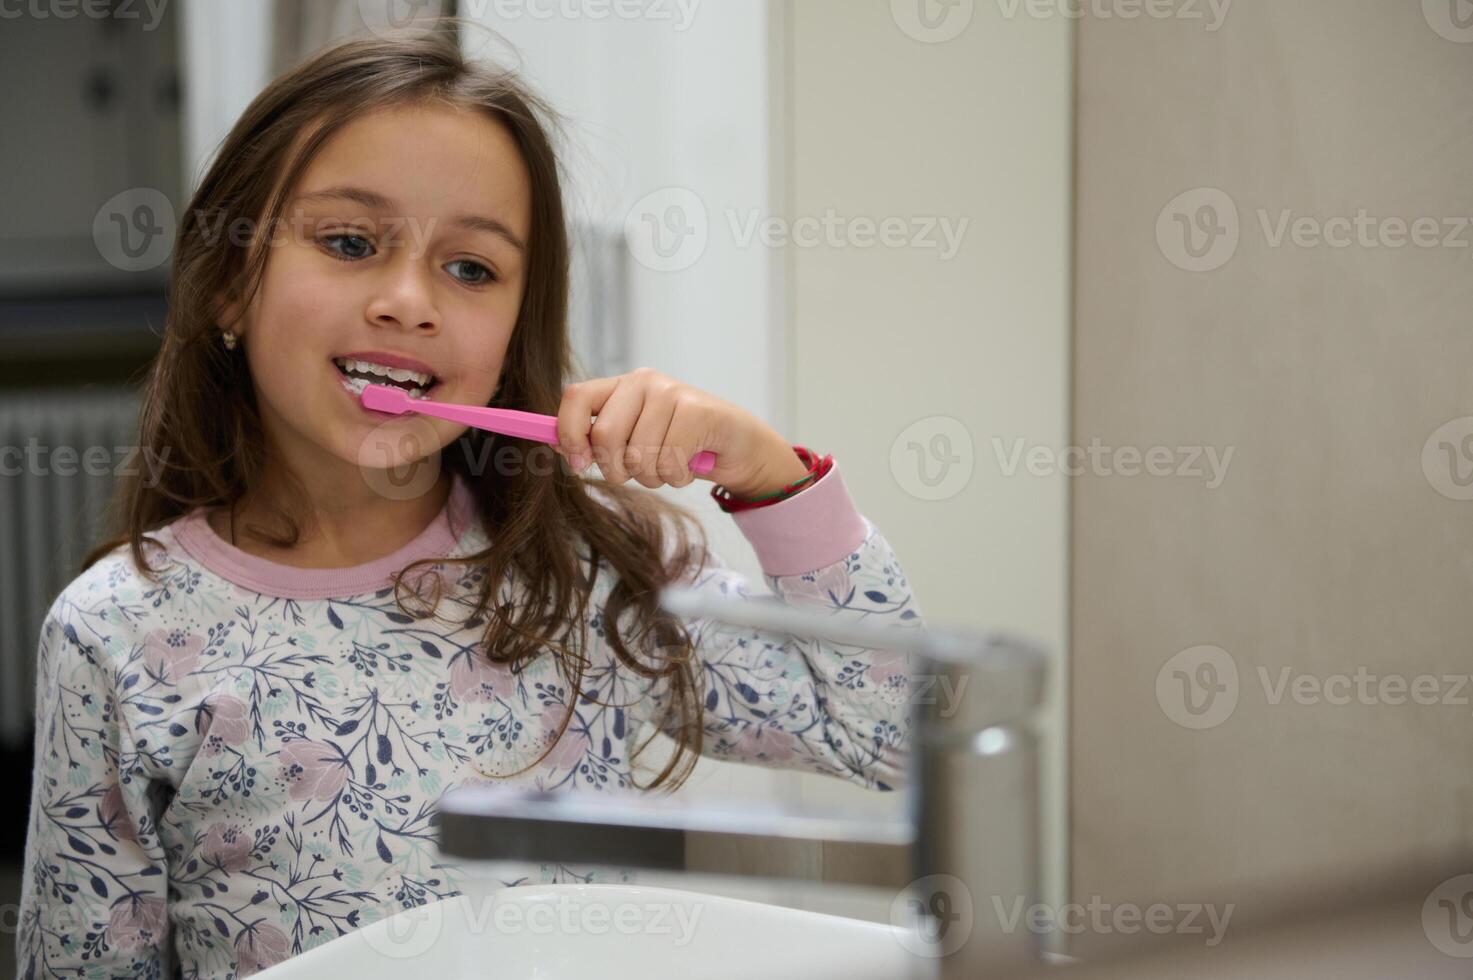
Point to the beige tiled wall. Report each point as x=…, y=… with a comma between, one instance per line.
x=1328, y=546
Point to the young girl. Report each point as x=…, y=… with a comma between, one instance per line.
x=250, y=701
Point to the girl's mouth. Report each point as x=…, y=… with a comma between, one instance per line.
x=358, y=375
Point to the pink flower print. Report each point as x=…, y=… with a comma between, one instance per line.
x=223, y=720
x=889, y=672
x=314, y=770
x=830, y=585
x=764, y=740
x=474, y=678
x=138, y=922
x=886, y=665
x=228, y=845
x=570, y=747
x=259, y=946
x=171, y=654
x=114, y=816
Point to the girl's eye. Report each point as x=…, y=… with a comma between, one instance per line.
x=328, y=239
x=479, y=274
x=480, y=280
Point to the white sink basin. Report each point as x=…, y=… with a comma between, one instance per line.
x=613, y=932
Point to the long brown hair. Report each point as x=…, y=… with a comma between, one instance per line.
x=199, y=412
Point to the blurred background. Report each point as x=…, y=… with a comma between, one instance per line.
x=1141, y=327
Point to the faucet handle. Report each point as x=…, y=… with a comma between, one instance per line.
x=508, y=823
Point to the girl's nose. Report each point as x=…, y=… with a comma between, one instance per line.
x=405, y=296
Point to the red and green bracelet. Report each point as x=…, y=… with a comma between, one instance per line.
x=816, y=468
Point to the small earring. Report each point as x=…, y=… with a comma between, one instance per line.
x=230, y=340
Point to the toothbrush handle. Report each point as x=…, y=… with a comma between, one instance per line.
x=525, y=425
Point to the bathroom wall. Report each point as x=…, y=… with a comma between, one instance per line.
x=1326, y=360
x=922, y=366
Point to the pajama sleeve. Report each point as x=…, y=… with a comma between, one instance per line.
x=94, y=888
x=797, y=702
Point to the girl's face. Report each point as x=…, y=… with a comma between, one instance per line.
x=404, y=244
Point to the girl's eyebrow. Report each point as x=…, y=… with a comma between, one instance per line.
x=375, y=201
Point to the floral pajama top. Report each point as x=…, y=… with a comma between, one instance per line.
x=243, y=762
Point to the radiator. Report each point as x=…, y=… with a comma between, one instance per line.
x=52, y=509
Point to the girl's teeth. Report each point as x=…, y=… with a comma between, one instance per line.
x=356, y=386
x=379, y=370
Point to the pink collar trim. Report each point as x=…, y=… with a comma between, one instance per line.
x=195, y=535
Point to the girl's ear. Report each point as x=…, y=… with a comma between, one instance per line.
x=228, y=315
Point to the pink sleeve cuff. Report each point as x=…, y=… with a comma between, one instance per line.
x=808, y=531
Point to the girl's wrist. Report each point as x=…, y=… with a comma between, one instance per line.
x=806, y=468
x=779, y=478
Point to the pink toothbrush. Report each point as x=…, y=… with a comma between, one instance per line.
x=506, y=421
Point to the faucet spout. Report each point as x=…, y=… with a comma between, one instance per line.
x=969, y=842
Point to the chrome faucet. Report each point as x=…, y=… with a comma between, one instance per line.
x=967, y=851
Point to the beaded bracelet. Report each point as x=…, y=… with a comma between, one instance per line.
x=817, y=467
